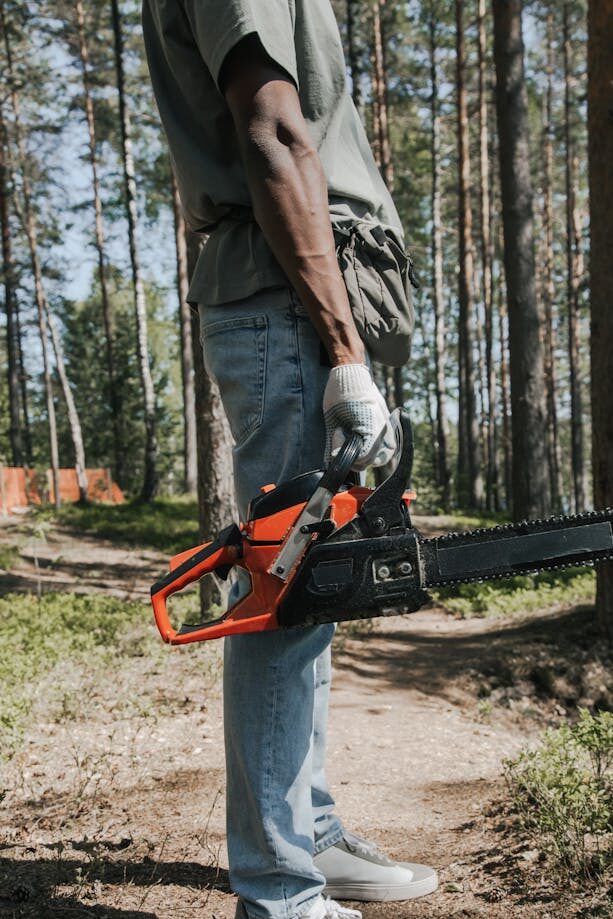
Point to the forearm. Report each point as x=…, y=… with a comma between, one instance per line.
x=289, y=193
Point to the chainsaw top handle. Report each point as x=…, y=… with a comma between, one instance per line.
x=340, y=465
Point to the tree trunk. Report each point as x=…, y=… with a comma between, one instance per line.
x=23, y=383
x=150, y=482
x=190, y=454
x=352, y=53
x=215, y=482
x=572, y=285
x=507, y=445
x=380, y=88
x=470, y=481
x=531, y=493
x=45, y=319
x=600, y=133
x=107, y=307
x=443, y=471
x=486, y=260
x=29, y=221
x=16, y=434
x=73, y=415
x=553, y=444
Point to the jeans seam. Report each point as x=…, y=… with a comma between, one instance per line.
x=301, y=377
x=269, y=768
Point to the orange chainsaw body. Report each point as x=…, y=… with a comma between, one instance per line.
x=254, y=547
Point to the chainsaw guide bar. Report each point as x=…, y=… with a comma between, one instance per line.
x=317, y=552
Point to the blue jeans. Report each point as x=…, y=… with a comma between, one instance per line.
x=266, y=359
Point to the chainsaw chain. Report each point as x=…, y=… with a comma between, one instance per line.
x=556, y=522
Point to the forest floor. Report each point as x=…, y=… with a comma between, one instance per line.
x=113, y=802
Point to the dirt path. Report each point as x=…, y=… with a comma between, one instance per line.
x=116, y=808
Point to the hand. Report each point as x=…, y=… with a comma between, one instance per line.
x=353, y=405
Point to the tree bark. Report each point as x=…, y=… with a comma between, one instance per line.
x=190, y=453
x=16, y=433
x=352, y=52
x=71, y=408
x=470, y=480
x=215, y=480
x=443, y=470
x=553, y=443
x=486, y=261
x=114, y=391
x=380, y=87
x=600, y=133
x=150, y=482
x=507, y=444
x=531, y=493
x=572, y=283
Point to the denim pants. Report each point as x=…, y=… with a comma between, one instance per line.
x=265, y=356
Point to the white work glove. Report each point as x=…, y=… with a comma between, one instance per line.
x=354, y=405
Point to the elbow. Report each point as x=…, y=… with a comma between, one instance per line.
x=279, y=139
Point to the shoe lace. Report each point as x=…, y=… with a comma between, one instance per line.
x=335, y=911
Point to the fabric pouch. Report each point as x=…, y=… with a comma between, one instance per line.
x=379, y=278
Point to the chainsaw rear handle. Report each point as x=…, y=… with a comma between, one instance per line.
x=216, y=557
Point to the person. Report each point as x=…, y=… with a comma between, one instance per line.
x=268, y=151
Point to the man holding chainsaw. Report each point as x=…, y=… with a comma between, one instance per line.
x=272, y=162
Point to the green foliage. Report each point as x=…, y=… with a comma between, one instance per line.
x=564, y=794
x=168, y=524
x=8, y=556
x=37, y=635
x=85, y=349
x=526, y=593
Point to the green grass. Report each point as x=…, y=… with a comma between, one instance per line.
x=527, y=593
x=168, y=524
x=37, y=635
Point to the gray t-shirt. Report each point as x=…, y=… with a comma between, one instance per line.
x=187, y=42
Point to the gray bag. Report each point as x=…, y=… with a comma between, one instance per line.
x=379, y=277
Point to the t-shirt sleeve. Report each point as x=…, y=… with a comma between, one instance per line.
x=218, y=25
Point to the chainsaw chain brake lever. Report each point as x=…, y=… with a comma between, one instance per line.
x=311, y=519
x=384, y=509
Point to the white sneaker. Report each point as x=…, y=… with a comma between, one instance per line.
x=356, y=869
x=321, y=909
x=329, y=909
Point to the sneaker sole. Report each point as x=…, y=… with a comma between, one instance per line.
x=425, y=881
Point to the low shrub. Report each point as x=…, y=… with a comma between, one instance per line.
x=563, y=792
x=524, y=593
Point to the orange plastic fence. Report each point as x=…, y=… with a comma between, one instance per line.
x=21, y=487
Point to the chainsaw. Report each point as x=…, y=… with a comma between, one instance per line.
x=320, y=549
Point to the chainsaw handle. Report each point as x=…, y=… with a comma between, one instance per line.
x=340, y=465
x=217, y=556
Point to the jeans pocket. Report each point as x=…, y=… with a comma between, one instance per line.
x=235, y=358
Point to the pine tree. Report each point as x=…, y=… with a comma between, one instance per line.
x=600, y=132
x=470, y=480
x=531, y=493
x=150, y=482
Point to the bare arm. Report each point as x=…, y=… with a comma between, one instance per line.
x=289, y=192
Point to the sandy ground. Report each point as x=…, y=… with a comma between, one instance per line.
x=115, y=809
